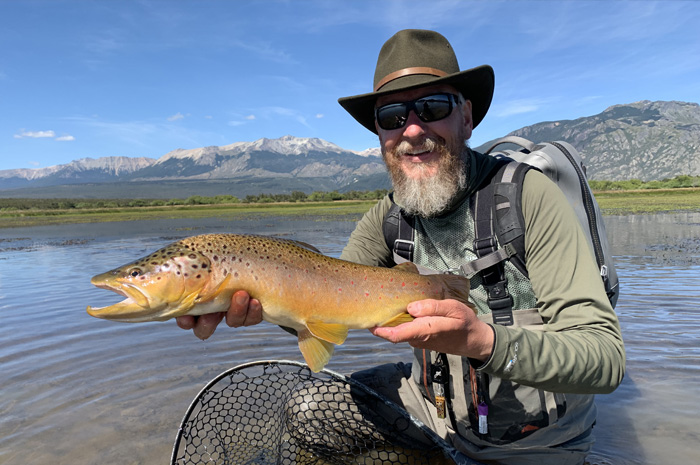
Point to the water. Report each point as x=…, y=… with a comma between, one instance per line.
x=78, y=390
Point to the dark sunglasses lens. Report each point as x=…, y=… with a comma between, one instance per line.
x=392, y=116
x=431, y=108
x=434, y=108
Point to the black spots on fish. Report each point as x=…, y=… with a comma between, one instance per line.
x=215, y=258
x=192, y=256
x=204, y=266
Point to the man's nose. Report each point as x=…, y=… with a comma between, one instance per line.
x=414, y=126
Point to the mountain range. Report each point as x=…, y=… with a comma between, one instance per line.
x=644, y=140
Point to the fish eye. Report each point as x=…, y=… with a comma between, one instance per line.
x=134, y=272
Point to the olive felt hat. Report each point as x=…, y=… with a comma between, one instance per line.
x=415, y=58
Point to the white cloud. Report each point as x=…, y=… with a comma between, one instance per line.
x=518, y=107
x=250, y=117
x=176, y=116
x=35, y=134
x=319, y=116
x=67, y=137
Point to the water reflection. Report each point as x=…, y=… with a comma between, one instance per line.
x=79, y=390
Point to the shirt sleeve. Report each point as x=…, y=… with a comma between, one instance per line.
x=581, y=348
x=366, y=245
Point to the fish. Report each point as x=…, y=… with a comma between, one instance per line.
x=318, y=296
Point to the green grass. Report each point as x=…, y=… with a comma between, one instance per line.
x=611, y=203
x=648, y=201
x=320, y=210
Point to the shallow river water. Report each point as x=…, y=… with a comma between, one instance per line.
x=78, y=390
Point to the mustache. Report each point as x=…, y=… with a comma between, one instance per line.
x=427, y=144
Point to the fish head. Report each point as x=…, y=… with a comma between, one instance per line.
x=158, y=287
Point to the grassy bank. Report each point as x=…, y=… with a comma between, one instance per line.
x=649, y=201
x=611, y=202
x=329, y=210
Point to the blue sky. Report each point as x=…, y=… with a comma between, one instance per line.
x=141, y=78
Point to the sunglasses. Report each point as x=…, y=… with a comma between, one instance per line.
x=429, y=108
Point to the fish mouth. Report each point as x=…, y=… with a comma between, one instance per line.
x=136, y=307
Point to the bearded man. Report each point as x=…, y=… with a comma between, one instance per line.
x=515, y=393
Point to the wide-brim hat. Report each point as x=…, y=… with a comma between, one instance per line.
x=415, y=58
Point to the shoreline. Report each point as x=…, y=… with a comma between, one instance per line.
x=611, y=203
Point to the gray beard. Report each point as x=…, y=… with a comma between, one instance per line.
x=430, y=196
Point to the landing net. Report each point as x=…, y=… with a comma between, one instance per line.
x=282, y=413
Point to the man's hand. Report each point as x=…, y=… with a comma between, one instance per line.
x=243, y=311
x=446, y=326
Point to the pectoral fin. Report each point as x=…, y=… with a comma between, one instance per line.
x=398, y=319
x=316, y=352
x=210, y=294
x=330, y=332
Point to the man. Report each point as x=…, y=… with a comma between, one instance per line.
x=515, y=394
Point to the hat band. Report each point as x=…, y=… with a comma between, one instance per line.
x=408, y=72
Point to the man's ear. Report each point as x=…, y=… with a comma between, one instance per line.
x=467, y=112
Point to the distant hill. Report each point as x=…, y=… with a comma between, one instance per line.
x=244, y=168
x=644, y=140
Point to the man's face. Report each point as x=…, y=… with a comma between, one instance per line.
x=426, y=160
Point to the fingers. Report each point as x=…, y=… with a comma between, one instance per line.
x=445, y=326
x=186, y=322
x=206, y=325
x=243, y=311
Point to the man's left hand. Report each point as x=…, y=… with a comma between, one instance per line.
x=446, y=326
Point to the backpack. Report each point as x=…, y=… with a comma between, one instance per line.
x=498, y=215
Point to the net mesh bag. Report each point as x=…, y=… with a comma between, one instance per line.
x=283, y=413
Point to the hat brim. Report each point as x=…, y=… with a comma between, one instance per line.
x=474, y=84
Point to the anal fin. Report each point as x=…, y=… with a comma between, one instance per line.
x=331, y=332
x=316, y=352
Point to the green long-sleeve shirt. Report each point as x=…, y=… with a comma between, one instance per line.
x=581, y=348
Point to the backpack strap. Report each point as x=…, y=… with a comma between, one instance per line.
x=485, y=244
x=398, y=232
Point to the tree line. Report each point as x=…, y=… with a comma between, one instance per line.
x=8, y=204
x=682, y=181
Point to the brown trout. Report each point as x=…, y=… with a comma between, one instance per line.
x=318, y=296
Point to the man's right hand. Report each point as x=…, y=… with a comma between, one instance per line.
x=243, y=311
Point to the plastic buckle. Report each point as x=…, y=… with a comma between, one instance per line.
x=404, y=249
x=485, y=245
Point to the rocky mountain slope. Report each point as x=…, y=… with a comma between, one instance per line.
x=643, y=140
